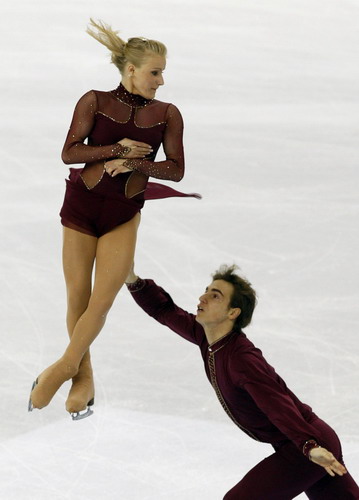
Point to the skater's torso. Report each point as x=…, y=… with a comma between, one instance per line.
x=253, y=395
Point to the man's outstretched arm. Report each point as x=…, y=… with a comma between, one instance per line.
x=158, y=304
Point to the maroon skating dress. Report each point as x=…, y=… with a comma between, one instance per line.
x=94, y=201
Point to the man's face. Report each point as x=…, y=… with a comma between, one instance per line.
x=213, y=308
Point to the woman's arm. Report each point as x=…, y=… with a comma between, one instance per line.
x=172, y=168
x=75, y=151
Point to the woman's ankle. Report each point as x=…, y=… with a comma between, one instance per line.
x=69, y=366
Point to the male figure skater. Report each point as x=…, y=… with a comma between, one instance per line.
x=307, y=453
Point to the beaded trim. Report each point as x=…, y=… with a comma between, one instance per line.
x=120, y=150
x=212, y=369
x=127, y=182
x=212, y=346
x=147, y=167
x=129, y=118
x=133, y=100
x=113, y=119
x=308, y=447
x=98, y=182
x=150, y=126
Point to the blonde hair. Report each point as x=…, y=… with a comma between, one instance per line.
x=134, y=51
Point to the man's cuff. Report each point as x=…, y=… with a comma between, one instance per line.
x=308, y=446
x=136, y=285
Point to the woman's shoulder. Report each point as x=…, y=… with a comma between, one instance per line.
x=156, y=102
x=100, y=93
x=95, y=93
x=169, y=109
x=89, y=98
x=104, y=97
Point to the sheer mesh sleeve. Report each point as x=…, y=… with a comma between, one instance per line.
x=74, y=150
x=173, y=167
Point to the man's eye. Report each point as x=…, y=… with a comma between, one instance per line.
x=155, y=73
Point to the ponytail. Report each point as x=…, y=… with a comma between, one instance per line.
x=134, y=51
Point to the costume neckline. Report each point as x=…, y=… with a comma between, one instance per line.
x=133, y=100
x=221, y=342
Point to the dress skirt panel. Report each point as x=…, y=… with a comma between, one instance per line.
x=98, y=210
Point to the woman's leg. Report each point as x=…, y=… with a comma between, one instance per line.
x=114, y=257
x=79, y=251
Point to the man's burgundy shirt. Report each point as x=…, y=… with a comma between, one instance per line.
x=254, y=396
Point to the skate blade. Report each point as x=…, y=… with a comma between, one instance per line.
x=80, y=415
x=29, y=405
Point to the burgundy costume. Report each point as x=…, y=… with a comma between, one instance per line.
x=94, y=201
x=258, y=401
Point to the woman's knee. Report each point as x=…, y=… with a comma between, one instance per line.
x=100, y=306
x=78, y=296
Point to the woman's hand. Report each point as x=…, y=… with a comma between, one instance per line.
x=115, y=167
x=132, y=277
x=137, y=149
x=323, y=457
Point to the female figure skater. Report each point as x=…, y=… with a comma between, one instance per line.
x=124, y=129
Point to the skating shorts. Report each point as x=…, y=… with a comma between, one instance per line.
x=98, y=210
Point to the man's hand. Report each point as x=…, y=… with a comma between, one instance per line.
x=132, y=277
x=323, y=457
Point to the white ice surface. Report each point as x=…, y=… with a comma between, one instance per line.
x=269, y=93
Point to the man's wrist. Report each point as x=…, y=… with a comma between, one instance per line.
x=136, y=285
x=309, y=446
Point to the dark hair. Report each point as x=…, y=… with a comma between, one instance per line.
x=243, y=295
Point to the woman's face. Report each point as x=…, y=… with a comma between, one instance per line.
x=147, y=78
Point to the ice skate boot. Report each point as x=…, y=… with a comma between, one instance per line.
x=29, y=405
x=82, y=393
x=47, y=384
